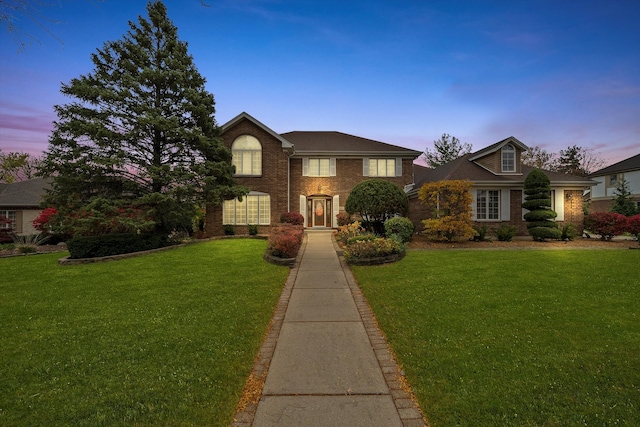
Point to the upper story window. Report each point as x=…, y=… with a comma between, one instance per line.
x=319, y=167
x=508, y=158
x=247, y=156
x=382, y=167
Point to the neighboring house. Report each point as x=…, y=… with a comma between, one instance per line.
x=311, y=173
x=603, y=193
x=20, y=202
x=497, y=175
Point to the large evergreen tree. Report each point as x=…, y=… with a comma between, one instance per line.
x=623, y=202
x=540, y=223
x=139, y=133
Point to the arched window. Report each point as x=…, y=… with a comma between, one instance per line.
x=247, y=156
x=508, y=158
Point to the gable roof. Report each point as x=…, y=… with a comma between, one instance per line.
x=244, y=115
x=23, y=194
x=626, y=165
x=325, y=143
x=463, y=168
x=497, y=146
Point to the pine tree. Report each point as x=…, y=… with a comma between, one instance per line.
x=140, y=132
x=623, y=203
x=537, y=190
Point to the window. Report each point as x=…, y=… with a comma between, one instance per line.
x=508, y=158
x=247, y=156
x=613, y=180
x=319, y=167
x=381, y=167
x=11, y=216
x=254, y=208
x=488, y=205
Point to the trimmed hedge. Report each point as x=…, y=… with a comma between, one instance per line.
x=114, y=244
x=401, y=227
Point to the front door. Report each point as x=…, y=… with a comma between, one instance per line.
x=319, y=212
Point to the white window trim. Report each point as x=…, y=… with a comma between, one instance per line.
x=307, y=172
x=475, y=205
x=366, y=163
x=264, y=218
x=11, y=215
x=253, y=153
x=511, y=150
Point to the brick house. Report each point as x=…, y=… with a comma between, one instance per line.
x=497, y=175
x=311, y=173
x=607, y=179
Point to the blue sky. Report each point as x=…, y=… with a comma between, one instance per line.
x=551, y=73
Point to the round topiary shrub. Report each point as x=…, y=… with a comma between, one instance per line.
x=401, y=227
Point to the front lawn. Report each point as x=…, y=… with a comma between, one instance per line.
x=166, y=339
x=515, y=338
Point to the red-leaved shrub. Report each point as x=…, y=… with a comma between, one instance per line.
x=292, y=218
x=606, y=224
x=285, y=240
x=633, y=225
x=42, y=221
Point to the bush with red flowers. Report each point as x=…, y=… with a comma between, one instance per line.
x=43, y=221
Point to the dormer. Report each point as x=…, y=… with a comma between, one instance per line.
x=501, y=158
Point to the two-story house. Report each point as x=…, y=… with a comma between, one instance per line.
x=608, y=179
x=497, y=176
x=311, y=173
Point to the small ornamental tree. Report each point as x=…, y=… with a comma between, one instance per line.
x=623, y=203
x=540, y=223
x=633, y=226
x=376, y=201
x=450, y=204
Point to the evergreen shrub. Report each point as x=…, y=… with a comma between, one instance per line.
x=506, y=233
x=401, y=227
x=114, y=244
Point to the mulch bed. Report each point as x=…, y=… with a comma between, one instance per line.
x=42, y=249
x=422, y=242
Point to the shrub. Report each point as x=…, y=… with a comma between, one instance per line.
x=27, y=244
x=569, y=232
x=506, y=233
x=401, y=227
x=481, y=233
x=376, y=201
x=606, y=224
x=253, y=229
x=361, y=238
x=114, y=244
x=292, y=218
x=345, y=232
x=43, y=221
x=373, y=248
x=633, y=224
x=343, y=218
x=448, y=228
x=229, y=230
x=285, y=241
x=541, y=234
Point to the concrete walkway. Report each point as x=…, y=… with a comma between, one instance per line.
x=328, y=364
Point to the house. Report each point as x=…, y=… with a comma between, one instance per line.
x=497, y=176
x=20, y=203
x=607, y=179
x=311, y=173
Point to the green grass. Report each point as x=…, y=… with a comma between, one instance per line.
x=166, y=339
x=515, y=338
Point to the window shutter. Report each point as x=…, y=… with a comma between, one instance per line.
x=332, y=166
x=303, y=208
x=336, y=211
x=398, y=167
x=305, y=167
x=505, y=205
x=559, y=205
x=365, y=167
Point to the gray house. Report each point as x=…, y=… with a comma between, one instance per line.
x=20, y=203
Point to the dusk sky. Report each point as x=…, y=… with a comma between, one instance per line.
x=551, y=73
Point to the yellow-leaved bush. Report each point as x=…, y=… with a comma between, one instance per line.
x=450, y=204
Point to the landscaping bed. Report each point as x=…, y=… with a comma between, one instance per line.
x=423, y=242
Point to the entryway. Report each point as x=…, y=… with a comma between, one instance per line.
x=319, y=211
